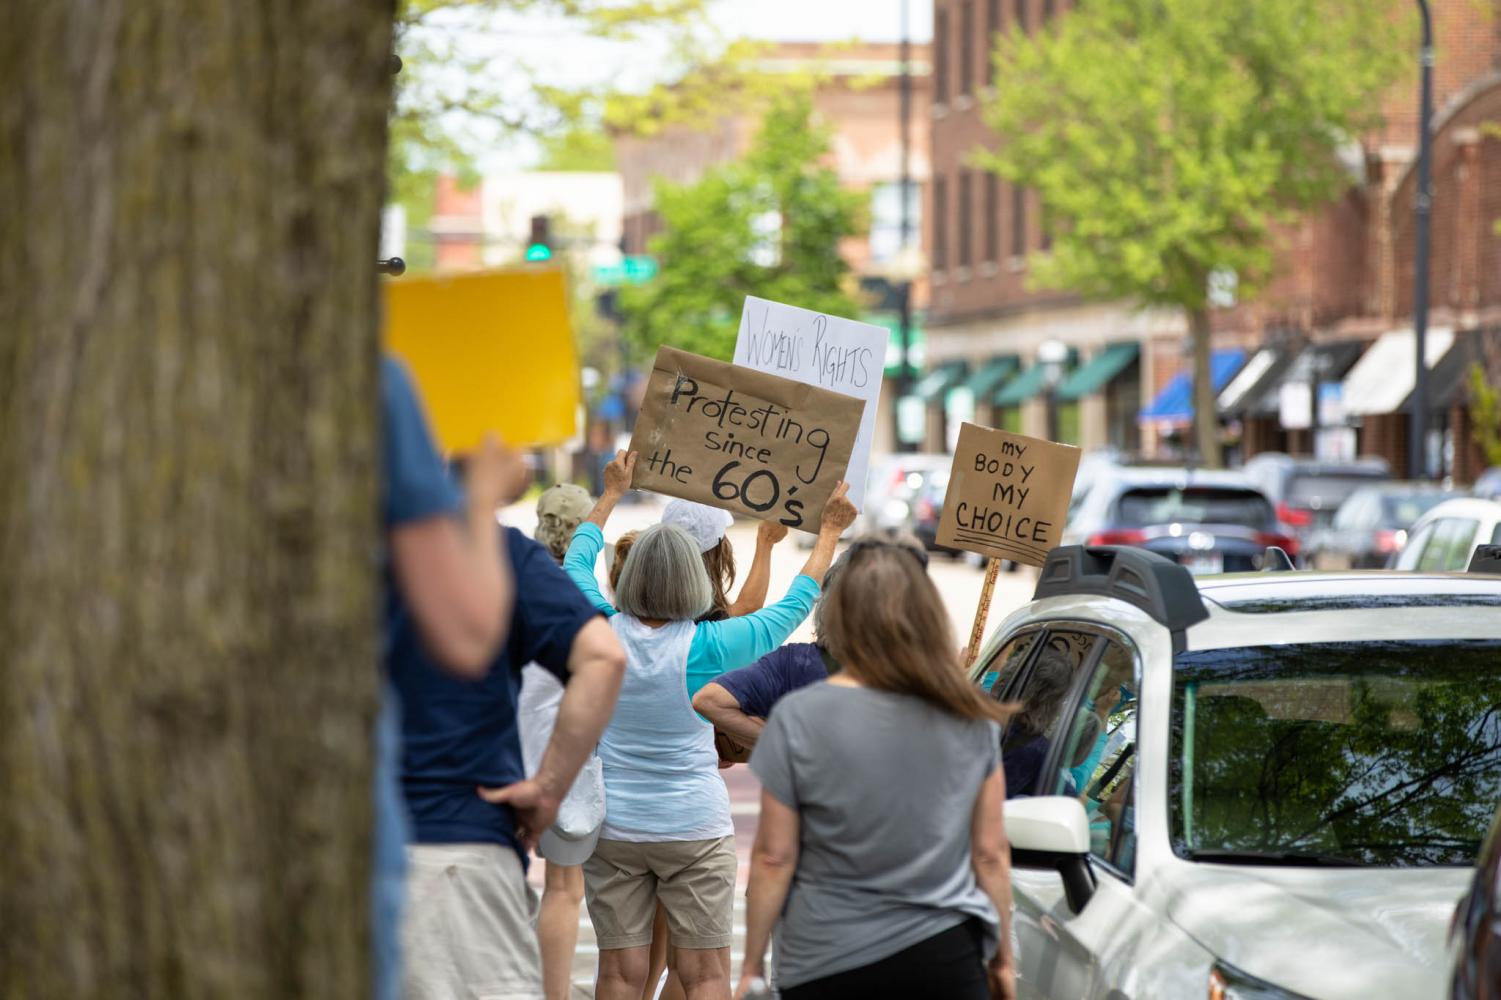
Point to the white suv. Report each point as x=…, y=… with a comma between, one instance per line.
x=1261, y=785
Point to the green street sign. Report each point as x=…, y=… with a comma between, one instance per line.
x=630, y=271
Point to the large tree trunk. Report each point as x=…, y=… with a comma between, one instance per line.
x=189, y=203
x=1206, y=413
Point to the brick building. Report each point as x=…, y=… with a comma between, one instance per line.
x=1343, y=284
x=858, y=98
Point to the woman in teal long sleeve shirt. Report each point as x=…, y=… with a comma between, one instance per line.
x=665, y=806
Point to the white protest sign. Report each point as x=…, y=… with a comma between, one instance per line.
x=827, y=351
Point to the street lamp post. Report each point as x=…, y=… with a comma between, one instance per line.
x=1052, y=355
x=904, y=322
x=1417, y=445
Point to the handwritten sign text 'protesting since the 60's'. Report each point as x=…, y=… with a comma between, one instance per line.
x=755, y=444
x=1008, y=495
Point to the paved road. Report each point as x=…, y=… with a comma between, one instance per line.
x=957, y=581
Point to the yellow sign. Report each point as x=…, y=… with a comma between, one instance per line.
x=491, y=351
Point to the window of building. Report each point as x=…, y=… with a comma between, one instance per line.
x=966, y=218
x=992, y=217
x=940, y=56
x=1018, y=221
x=967, y=47
x=886, y=219
x=940, y=223
x=992, y=27
x=1021, y=15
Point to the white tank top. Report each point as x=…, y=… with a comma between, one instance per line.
x=662, y=778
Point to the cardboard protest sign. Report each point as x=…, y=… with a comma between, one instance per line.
x=491, y=351
x=1008, y=495
x=827, y=351
x=754, y=444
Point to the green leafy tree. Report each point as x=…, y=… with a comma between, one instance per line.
x=769, y=224
x=1169, y=138
x=1485, y=413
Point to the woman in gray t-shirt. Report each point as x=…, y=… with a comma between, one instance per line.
x=881, y=855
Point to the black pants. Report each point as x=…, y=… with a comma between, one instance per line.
x=947, y=966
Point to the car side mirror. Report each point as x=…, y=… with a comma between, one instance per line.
x=1051, y=833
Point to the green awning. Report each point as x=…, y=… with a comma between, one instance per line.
x=991, y=376
x=1022, y=388
x=934, y=385
x=1095, y=375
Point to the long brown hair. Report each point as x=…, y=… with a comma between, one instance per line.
x=720, y=562
x=888, y=629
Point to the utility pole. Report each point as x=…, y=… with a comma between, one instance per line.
x=904, y=322
x=1417, y=444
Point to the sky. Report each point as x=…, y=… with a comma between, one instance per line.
x=555, y=51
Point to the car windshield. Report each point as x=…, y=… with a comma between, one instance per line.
x=1361, y=753
x=1146, y=505
x=1324, y=492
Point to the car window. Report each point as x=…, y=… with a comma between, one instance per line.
x=1005, y=661
x=1377, y=752
x=1198, y=505
x=1099, y=755
x=1353, y=513
x=1042, y=691
x=1323, y=491
x=1496, y=535
x=1449, y=548
x=1408, y=558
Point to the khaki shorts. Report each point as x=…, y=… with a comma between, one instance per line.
x=469, y=928
x=694, y=879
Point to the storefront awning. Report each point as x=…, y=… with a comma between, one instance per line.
x=991, y=376
x=1265, y=368
x=1174, y=404
x=1449, y=379
x=1385, y=374
x=933, y=386
x=1021, y=388
x=1329, y=361
x=1098, y=371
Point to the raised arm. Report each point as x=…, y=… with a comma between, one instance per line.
x=618, y=475
x=990, y=855
x=838, y=514
x=758, y=580
x=737, y=642
x=589, y=540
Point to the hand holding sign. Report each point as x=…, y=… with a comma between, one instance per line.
x=619, y=472
x=753, y=444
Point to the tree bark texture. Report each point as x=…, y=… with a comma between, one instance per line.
x=189, y=209
x=1206, y=412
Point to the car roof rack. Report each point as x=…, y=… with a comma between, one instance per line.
x=1160, y=587
x=1486, y=559
x=1276, y=560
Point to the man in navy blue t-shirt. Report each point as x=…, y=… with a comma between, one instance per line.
x=738, y=703
x=468, y=932
x=434, y=575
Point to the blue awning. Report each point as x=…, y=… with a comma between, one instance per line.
x=1174, y=404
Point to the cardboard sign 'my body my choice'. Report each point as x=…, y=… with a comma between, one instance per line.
x=1008, y=495
x=732, y=437
x=826, y=351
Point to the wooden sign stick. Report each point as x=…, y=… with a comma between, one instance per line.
x=982, y=612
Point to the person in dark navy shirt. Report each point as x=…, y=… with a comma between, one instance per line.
x=468, y=932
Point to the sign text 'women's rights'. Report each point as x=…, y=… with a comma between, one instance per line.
x=827, y=351
x=1008, y=495
x=755, y=444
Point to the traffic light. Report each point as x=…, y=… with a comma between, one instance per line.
x=539, y=247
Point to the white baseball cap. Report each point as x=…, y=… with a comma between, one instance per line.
x=706, y=525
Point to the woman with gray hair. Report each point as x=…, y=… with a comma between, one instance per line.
x=667, y=834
